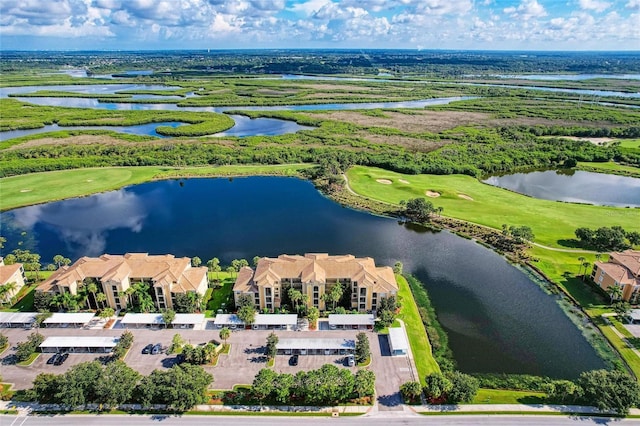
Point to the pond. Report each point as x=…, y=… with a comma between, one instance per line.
x=573, y=186
x=497, y=319
x=148, y=129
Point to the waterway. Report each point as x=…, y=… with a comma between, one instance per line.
x=573, y=186
x=497, y=319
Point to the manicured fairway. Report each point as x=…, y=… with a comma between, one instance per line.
x=610, y=167
x=35, y=188
x=466, y=198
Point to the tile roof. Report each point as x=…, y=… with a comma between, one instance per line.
x=618, y=272
x=162, y=269
x=7, y=271
x=317, y=267
x=629, y=259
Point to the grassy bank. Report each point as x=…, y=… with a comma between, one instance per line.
x=466, y=198
x=420, y=346
x=35, y=188
x=609, y=167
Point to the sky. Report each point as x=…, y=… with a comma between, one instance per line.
x=343, y=24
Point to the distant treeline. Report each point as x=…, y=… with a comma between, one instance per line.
x=308, y=61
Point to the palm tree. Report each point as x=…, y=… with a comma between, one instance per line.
x=6, y=291
x=101, y=298
x=586, y=265
x=146, y=303
x=225, y=333
x=581, y=259
x=93, y=288
x=615, y=292
x=296, y=297
x=336, y=293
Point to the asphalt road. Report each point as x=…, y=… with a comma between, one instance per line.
x=378, y=420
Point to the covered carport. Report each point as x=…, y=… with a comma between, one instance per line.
x=398, y=341
x=188, y=321
x=71, y=319
x=275, y=321
x=17, y=319
x=307, y=346
x=79, y=344
x=132, y=320
x=351, y=321
x=228, y=320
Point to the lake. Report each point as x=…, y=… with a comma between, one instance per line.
x=497, y=319
x=573, y=186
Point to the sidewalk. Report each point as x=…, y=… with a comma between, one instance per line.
x=516, y=408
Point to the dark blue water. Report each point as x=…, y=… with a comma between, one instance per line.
x=573, y=186
x=497, y=319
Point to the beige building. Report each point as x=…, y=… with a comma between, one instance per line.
x=11, y=274
x=166, y=274
x=623, y=270
x=314, y=275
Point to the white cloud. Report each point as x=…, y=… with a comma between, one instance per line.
x=310, y=7
x=633, y=5
x=526, y=10
x=597, y=5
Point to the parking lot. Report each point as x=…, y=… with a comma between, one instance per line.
x=246, y=356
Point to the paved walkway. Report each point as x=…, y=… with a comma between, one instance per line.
x=621, y=336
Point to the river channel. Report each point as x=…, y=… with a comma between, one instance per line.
x=497, y=319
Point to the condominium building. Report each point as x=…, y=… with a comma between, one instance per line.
x=623, y=270
x=314, y=274
x=115, y=274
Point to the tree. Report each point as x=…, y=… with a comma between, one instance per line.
x=296, y=297
x=93, y=289
x=180, y=387
x=263, y=383
x=437, y=386
x=362, y=348
x=463, y=388
x=585, y=235
x=609, y=390
x=634, y=238
x=187, y=302
x=79, y=384
x=411, y=391
x=26, y=348
x=621, y=308
x=230, y=270
x=397, y=268
x=101, y=298
x=614, y=292
x=581, y=259
x=247, y=314
x=335, y=294
x=168, y=316
x=418, y=209
x=272, y=345
x=6, y=291
x=521, y=233
x=256, y=259
x=176, y=344
x=563, y=392
x=42, y=301
x=313, y=314
x=282, y=387
x=387, y=309
x=107, y=313
x=196, y=261
x=364, y=383
x=117, y=384
x=45, y=387
x=225, y=333
x=4, y=341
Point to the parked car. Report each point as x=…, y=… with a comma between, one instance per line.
x=61, y=359
x=147, y=349
x=350, y=360
x=293, y=361
x=53, y=359
x=157, y=348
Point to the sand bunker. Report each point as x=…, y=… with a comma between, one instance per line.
x=403, y=181
x=89, y=180
x=25, y=190
x=466, y=197
x=384, y=181
x=432, y=194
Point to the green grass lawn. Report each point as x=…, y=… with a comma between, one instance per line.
x=420, y=346
x=553, y=223
x=29, y=360
x=37, y=188
x=627, y=353
x=223, y=294
x=502, y=396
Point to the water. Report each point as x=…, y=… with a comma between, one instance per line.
x=148, y=129
x=573, y=186
x=497, y=319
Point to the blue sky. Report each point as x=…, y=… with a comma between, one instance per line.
x=242, y=24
